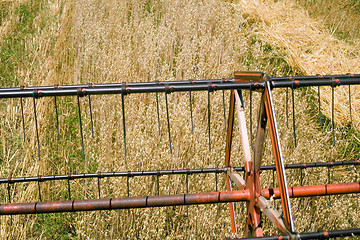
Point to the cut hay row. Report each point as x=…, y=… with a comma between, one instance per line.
x=310, y=48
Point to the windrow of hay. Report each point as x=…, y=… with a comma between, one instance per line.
x=311, y=49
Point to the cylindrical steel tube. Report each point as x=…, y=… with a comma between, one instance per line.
x=123, y=203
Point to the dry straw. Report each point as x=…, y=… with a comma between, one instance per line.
x=310, y=48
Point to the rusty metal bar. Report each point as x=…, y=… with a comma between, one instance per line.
x=280, y=168
x=171, y=200
x=314, y=190
x=123, y=203
x=228, y=155
x=313, y=235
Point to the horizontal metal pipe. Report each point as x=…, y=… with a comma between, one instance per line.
x=128, y=89
x=166, y=172
x=314, y=82
x=314, y=190
x=313, y=235
x=175, y=86
x=116, y=85
x=123, y=203
x=171, y=200
x=315, y=77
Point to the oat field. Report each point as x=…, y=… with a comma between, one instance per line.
x=47, y=42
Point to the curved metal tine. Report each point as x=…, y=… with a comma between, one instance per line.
x=40, y=198
x=36, y=128
x=191, y=113
x=99, y=192
x=69, y=193
x=293, y=113
x=123, y=120
x=333, y=114
x=168, y=120
x=287, y=107
x=23, y=118
x=209, y=112
x=356, y=179
x=351, y=120
x=9, y=198
x=216, y=189
x=158, y=188
x=319, y=102
x=158, y=112
x=91, y=117
x=57, y=118
x=81, y=130
x=128, y=190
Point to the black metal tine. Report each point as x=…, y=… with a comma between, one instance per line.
x=329, y=183
x=191, y=113
x=81, y=130
x=351, y=120
x=301, y=183
x=167, y=116
x=158, y=113
x=356, y=180
x=319, y=101
x=99, y=194
x=187, y=191
x=40, y=198
x=36, y=128
x=209, y=112
x=293, y=112
x=216, y=189
x=69, y=193
x=251, y=122
x=91, y=118
x=287, y=107
x=223, y=100
x=123, y=93
x=128, y=190
x=99, y=188
x=158, y=109
x=158, y=187
x=22, y=116
x=57, y=119
x=9, y=198
x=332, y=112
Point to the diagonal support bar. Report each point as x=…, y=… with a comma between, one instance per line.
x=227, y=157
x=280, y=169
x=268, y=209
x=237, y=179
